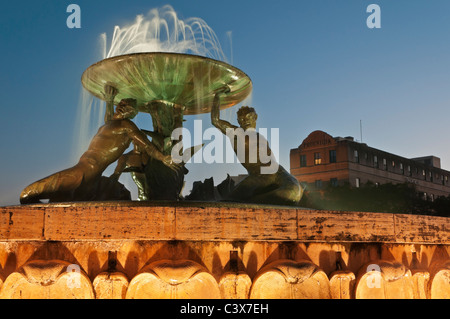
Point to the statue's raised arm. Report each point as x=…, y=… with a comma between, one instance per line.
x=109, y=95
x=215, y=111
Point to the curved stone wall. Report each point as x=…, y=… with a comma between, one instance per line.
x=183, y=251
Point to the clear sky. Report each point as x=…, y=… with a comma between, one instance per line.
x=314, y=65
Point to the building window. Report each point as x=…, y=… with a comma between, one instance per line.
x=356, y=155
x=302, y=160
x=430, y=175
x=357, y=182
x=409, y=170
x=393, y=164
x=402, y=169
x=424, y=174
x=332, y=156
x=384, y=164
x=317, y=159
x=318, y=183
x=334, y=182
x=375, y=161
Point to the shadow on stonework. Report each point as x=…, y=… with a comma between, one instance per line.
x=51, y=250
x=287, y=250
x=9, y=266
x=362, y=253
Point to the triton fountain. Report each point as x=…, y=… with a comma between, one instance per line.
x=92, y=241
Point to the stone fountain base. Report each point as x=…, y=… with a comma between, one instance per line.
x=219, y=250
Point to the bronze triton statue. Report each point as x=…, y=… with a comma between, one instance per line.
x=112, y=139
x=261, y=185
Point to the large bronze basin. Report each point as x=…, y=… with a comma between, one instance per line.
x=184, y=79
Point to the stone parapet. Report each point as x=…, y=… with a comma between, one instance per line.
x=219, y=250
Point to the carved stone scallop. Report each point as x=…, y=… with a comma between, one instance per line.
x=173, y=279
x=439, y=287
x=52, y=279
x=288, y=279
x=383, y=279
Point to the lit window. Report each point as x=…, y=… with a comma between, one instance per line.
x=317, y=159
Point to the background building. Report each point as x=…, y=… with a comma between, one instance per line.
x=322, y=160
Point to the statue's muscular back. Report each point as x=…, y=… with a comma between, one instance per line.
x=111, y=140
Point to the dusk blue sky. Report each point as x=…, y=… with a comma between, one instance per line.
x=315, y=65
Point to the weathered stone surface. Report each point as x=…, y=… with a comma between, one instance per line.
x=47, y=280
x=178, y=279
x=342, y=284
x=227, y=223
x=224, y=222
x=110, y=285
x=106, y=222
x=21, y=223
x=421, y=229
x=420, y=282
x=345, y=226
x=288, y=279
x=235, y=285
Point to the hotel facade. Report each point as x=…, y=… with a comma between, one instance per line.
x=322, y=160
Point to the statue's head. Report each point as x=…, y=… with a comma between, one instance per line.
x=247, y=117
x=127, y=109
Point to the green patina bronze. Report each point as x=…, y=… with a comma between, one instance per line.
x=187, y=80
